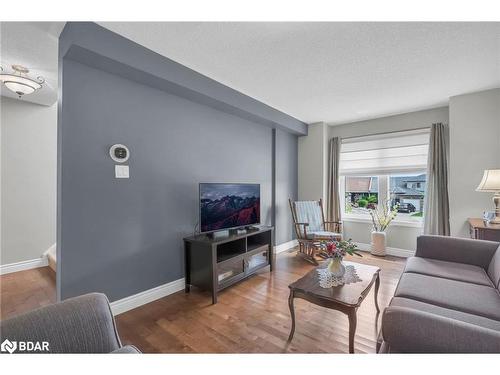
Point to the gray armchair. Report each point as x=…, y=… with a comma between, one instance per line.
x=82, y=324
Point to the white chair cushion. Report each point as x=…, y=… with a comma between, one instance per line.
x=310, y=212
x=322, y=234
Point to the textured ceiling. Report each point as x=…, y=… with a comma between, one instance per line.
x=334, y=72
x=33, y=45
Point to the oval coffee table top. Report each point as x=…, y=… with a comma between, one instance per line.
x=348, y=294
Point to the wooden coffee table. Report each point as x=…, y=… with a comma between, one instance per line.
x=346, y=298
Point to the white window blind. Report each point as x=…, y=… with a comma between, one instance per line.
x=398, y=152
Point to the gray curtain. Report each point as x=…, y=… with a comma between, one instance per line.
x=436, y=207
x=333, y=197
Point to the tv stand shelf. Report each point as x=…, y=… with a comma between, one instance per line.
x=215, y=263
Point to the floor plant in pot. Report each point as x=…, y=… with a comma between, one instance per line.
x=336, y=251
x=382, y=216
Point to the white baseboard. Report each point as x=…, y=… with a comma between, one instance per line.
x=150, y=295
x=394, y=251
x=50, y=250
x=285, y=246
x=24, y=265
x=147, y=296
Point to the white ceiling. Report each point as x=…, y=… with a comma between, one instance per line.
x=333, y=72
x=33, y=45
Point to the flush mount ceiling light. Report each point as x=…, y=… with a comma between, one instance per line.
x=19, y=82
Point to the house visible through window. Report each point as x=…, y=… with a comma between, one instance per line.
x=408, y=192
x=384, y=169
x=360, y=193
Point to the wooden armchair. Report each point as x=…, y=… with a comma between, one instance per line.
x=311, y=227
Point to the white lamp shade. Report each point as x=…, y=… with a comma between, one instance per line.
x=19, y=88
x=490, y=181
x=20, y=85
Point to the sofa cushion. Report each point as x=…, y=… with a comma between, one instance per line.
x=407, y=330
x=494, y=268
x=448, y=313
x=458, y=295
x=448, y=270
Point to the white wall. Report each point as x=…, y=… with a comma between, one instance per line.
x=398, y=236
x=28, y=179
x=312, y=163
x=405, y=121
x=474, y=123
x=474, y=147
x=312, y=166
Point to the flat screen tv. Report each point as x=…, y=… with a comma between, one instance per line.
x=225, y=206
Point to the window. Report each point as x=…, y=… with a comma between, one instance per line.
x=361, y=193
x=408, y=191
x=384, y=168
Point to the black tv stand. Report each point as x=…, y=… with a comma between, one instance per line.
x=229, y=232
x=216, y=263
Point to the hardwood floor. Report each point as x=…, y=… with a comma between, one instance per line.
x=26, y=290
x=250, y=317
x=253, y=316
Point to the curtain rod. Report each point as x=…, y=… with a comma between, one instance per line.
x=393, y=132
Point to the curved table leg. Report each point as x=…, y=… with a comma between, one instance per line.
x=352, y=329
x=292, y=313
x=377, y=285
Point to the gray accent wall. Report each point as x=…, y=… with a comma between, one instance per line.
x=96, y=46
x=124, y=236
x=286, y=182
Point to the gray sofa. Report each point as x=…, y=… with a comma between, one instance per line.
x=82, y=324
x=447, y=299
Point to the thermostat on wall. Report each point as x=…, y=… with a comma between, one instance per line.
x=119, y=153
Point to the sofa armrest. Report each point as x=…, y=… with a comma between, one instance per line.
x=459, y=250
x=82, y=324
x=407, y=330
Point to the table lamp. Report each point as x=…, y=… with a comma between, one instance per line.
x=491, y=184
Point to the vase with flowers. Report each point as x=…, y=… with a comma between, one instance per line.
x=336, y=251
x=382, y=216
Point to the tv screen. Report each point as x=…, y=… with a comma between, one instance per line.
x=224, y=206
